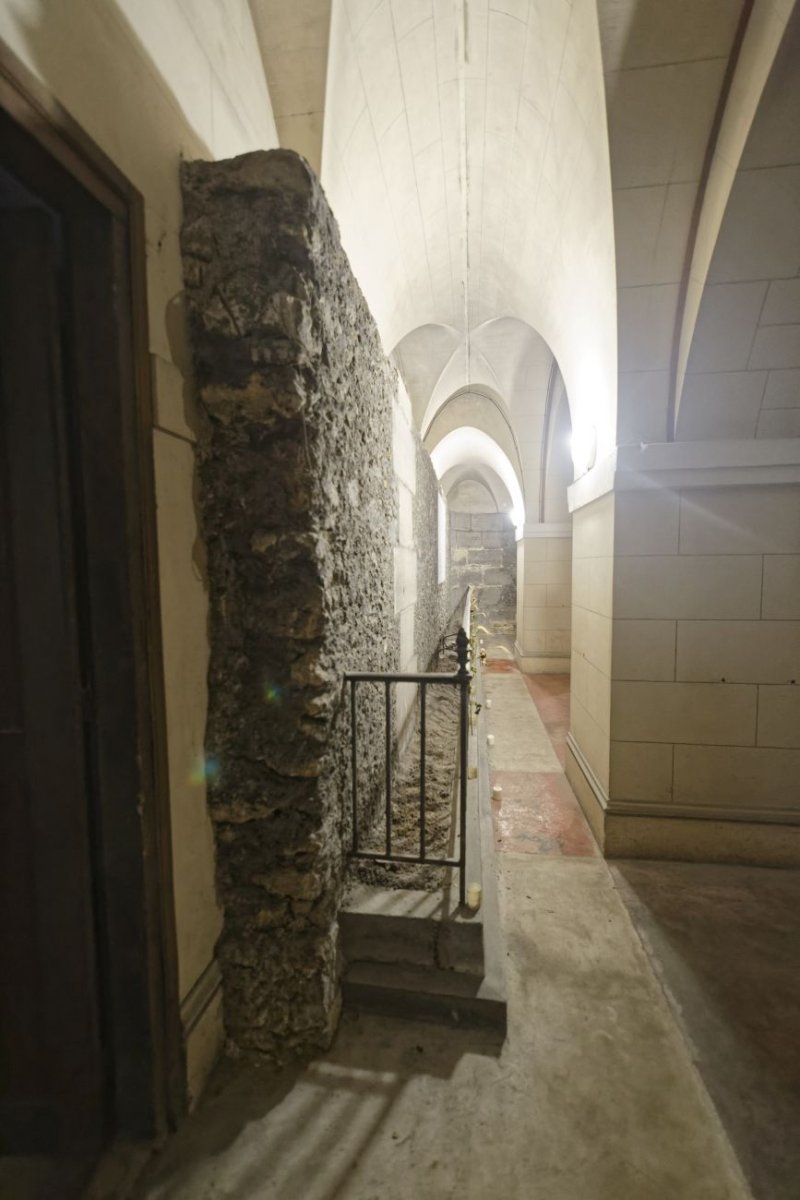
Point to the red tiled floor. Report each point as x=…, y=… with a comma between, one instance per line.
x=549, y=691
x=550, y=694
x=537, y=814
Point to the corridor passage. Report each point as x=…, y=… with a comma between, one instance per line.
x=599, y=1092
x=537, y=812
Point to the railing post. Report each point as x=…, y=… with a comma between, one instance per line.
x=388, y=768
x=463, y=735
x=422, y=784
x=354, y=762
x=462, y=651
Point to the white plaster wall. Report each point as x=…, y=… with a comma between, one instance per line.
x=405, y=553
x=152, y=81
x=405, y=445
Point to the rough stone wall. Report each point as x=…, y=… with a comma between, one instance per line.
x=433, y=598
x=484, y=553
x=298, y=507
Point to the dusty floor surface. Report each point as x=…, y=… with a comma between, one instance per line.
x=652, y=1045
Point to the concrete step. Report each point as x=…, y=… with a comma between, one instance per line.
x=399, y=927
x=425, y=994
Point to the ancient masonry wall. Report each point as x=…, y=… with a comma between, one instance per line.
x=484, y=553
x=299, y=515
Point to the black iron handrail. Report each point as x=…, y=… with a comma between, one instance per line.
x=460, y=679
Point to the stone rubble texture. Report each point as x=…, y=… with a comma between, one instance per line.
x=298, y=503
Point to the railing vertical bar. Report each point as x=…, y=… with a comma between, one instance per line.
x=422, y=735
x=354, y=762
x=388, y=767
x=463, y=771
x=462, y=651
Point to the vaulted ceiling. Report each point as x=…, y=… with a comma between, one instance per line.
x=594, y=192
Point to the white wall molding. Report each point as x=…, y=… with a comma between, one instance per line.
x=704, y=812
x=599, y=792
x=551, y=529
x=750, y=814
x=755, y=462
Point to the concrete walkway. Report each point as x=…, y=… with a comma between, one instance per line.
x=596, y=1093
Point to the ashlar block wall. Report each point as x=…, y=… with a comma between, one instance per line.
x=484, y=555
x=686, y=671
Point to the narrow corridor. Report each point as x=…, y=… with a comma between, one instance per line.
x=536, y=811
x=596, y=1092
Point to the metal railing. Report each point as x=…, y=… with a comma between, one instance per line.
x=460, y=679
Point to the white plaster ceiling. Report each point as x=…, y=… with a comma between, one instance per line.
x=465, y=157
x=293, y=39
x=469, y=152
x=475, y=473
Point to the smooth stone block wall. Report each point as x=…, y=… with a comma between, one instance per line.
x=483, y=554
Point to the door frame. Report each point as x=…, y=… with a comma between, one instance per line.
x=147, y=927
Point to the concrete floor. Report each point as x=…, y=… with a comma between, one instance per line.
x=649, y=1055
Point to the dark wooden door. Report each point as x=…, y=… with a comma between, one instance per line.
x=53, y=1079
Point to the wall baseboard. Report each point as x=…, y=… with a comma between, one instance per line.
x=203, y=1029
x=771, y=839
x=542, y=664
x=200, y=996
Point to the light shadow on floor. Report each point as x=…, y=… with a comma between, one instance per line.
x=300, y=1132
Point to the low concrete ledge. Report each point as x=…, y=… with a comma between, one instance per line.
x=381, y=925
x=419, y=993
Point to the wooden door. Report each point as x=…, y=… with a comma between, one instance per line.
x=52, y=1065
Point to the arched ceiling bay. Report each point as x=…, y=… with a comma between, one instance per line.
x=743, y=372
x=481, y=412
x=682, y=82
x=472, y=477
x=421, y=358
x=467, y=447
